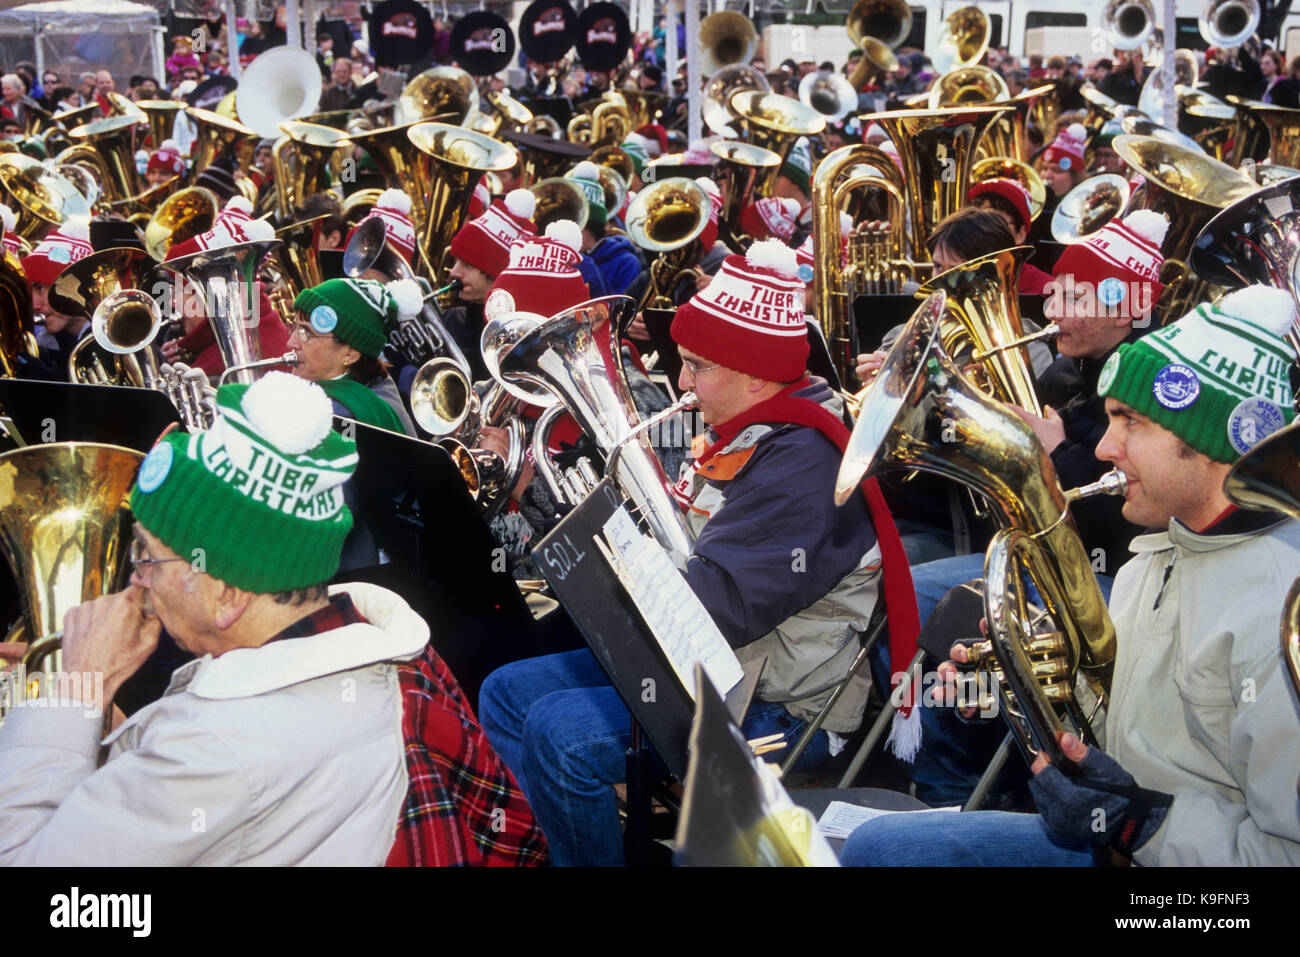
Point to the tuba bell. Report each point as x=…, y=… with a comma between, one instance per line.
x=284, y=83
x=1128, y=24
x=877, y=27
x=664, y=220
x=920, y=401
x=1225, y=24
x=964, y=40
x=125, y=320
x=65, y=531
x=726, y=38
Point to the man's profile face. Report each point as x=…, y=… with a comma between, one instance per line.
x=474, y=282
x=718, y=389
x=1164, y=482
x=175, y=594
x=1085, y=333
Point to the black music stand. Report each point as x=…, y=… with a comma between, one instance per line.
x=441, y=554
x=873, y=316
x=69, y=412
x=819, y=356
x=627, y=650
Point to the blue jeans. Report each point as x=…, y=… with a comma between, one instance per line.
x=949, y=839
x=563, y=730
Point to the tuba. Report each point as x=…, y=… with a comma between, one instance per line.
x=1267, y=477
x=65, y=530
x=113, y=138
x=922, y=413
x=878, y=27
x=664, y=220
x=1128, y=24
x=726, y=38
x=983, y=314
x=964, y=40
x=125, y=320
x=1226, y=24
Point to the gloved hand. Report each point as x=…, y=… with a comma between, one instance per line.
x=1100, y=805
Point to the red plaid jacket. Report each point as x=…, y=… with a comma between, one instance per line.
x=462, y=806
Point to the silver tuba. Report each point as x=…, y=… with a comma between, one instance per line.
x=563, y=356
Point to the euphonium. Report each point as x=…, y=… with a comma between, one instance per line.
x=562, y=355
x=1268, y=477
x=718, y=90
x=922, y=413
x=774, y=122
x=665, y=219
x=65, y=530
x=125, y=320
x=983, y=313
x=226, y=277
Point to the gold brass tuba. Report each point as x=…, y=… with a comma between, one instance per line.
x=125, y=320
x=936, y=149
x=17, y=327
x=964, y=40
x=922, y=413
x=983, y=313
x=65, y=529
x=1268, y=477
x=665, y=219
x=726, y=37
x=113, y=138
x=877, y=27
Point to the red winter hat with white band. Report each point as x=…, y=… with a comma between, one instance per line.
x=479, y=200
x=542, y=276
x=1011, y=191
x=751, y=316
x=1118, y=254
x=59, y=249
x=1066, y=150
x=773, y=217
x=485, y=242
x=167, y=158
x=806, y=255
x=393, y=209
x=234, y=225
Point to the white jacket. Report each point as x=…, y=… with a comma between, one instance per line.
x=1202, y=707
x=290, y=753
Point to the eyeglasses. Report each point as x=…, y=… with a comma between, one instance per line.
x=697, y=370
x=137, y=556
x=306, y=333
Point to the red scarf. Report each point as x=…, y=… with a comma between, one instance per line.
x=900, y=596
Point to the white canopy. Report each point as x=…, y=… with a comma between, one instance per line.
x=71, y=36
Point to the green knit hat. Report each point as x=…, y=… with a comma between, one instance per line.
x=587, y=177
x=1218, y=378
x=258, y=498
x=360, y=312
x=797, y=167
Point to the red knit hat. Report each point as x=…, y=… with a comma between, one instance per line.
x=480, y=200
x=233, y=225
x=484, y=242
x=167, y=158
x=60, y=248
x=393, y=209
x=806, y=255
x=771, y=218
x=653, y=135
x=751, y=316
x=1066, y=150
x=542, y=276
x=1127, y=251
x=1011, y=191
x=710, y=234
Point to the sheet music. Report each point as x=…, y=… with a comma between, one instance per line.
x=841, y=819
x=674, y=614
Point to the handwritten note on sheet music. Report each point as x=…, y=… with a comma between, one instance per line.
x=673, y=613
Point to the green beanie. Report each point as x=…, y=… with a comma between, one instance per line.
x=359, y=312
x=587, y=177
x=797, y=167
x=257, y=498
x=1219, y=378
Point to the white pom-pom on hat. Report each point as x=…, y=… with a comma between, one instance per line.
x=521, y=203
x=1148, y=224
x=1077, y=131
x=846, y=224
x=171, y=145
x=708, y=185
x=8, y=218
x=395, y=200
x=238, y=204
x=258, y=230
x=1268, y=307
x=565, y=231
x=585, y=170
x=775, y=255
x=75, y=228
x=406, y=296
x=294, y=415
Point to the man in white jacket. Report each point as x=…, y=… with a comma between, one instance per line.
x=1200, y=760
x=288, y=739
